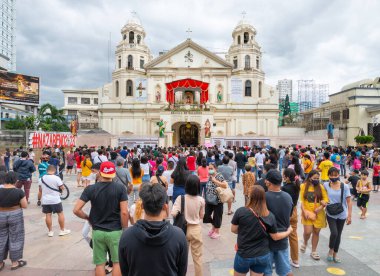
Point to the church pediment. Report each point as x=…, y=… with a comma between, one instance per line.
x=188, y=55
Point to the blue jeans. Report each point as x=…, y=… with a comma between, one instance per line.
x=282, y=262
x=6, y=163
x=280, y=161
x=238, y=173
x=259, y=264
x=202, y=191
x=178, y=191
x=343, y=169
x=260, y=170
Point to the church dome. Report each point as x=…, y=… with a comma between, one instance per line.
x=244, y=26
x=134, y=20
x=133, y=24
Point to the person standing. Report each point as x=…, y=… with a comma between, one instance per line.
x=324, y=167
x=168, y=175
x=79, y=159
x=12, y=231
x=24, y=169
x=260, y=157
x=194, y=210
x=136, y=173
x=203, y=176
x=86, y=166
x=153, y=246
x=240, y=160
x=281, y=154
x=50, y=187
x=375, y=177
x=281, y=205
x=314, y=198
x=249, y=180
x=70, y=159
x=179, y=177
x=364, y=187
x=108, y=216
x=227, y=172
x=292, y=187
x=123, y=176
x=337, y=192
x=191, y=162
x=7, y=158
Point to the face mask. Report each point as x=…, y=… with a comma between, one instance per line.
x=211, y=172
x=334, y=179
x=315, y=182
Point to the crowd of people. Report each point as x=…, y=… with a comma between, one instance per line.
x=136, y=193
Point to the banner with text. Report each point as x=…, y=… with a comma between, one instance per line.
x=236, y=90
x=40, y=139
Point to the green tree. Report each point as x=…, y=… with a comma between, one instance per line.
x=52, y=119
x=17, y=123
x=287, y=110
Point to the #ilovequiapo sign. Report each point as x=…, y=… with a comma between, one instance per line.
x=40, y=139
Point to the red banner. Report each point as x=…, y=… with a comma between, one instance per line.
x=44, y=139
x=186, y=83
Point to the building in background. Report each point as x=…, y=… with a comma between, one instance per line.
x=311, y=95
x=8, y=35
x=285, y=87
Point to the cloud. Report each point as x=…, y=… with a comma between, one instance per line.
x=65, y=42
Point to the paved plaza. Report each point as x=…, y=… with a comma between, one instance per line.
x=71, y=255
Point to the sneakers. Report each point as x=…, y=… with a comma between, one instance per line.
x=50, y=234
x=64, y=232
x=214, y=236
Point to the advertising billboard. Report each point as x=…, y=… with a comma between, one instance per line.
x=17, y=88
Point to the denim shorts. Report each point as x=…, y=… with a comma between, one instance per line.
x=232, y=185
x=259, y=264
x=282, y=262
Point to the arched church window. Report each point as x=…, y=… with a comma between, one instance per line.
x=235, y=62
x=119, y=62
x=247, y=62
x=142, y=62
x=260, y=89
x=117, y=89
x=248, y=90
x=138, y=39
x=239, y=39
x=246, y=37
x=131, y=37
x=124, y=37
x=130, y=62
x=129, y=88
x=257, y=63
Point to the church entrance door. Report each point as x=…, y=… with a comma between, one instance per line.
x=188, y=135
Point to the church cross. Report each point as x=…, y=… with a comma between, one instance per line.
x=244, y=14
x=188, y=32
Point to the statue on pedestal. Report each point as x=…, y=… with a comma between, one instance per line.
x=219, y=97
x=161, y=128
x=330, y=131
x=158, y=96
x=207, y=129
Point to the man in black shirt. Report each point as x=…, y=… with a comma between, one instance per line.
x=281, y=205
x=353, y=179
x=261, y=182
x=153, y=246
x=240, y=160
x=108, y=216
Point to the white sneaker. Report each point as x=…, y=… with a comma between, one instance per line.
x=64, y=232
x=50, y=234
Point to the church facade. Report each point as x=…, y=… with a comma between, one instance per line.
x=187, y=95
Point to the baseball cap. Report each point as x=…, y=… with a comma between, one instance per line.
x=160, y=169
x=274, y=177
x=107, y=169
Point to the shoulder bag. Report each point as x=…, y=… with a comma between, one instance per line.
x=51, y=188
x=180, y=220
x=225, y=194
x=336, y=208
x=211, y=198
x=128, y=186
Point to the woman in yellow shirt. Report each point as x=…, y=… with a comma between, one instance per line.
x=307, y=164
x=86, y=166
x=314, y=198
x=136, y=173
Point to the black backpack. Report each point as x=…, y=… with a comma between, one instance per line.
x=180, y=220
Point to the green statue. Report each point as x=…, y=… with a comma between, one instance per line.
x=161, y=128
x=219, y=97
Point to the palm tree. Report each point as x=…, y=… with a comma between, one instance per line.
x=51, y=118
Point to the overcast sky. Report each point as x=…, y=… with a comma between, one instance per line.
x=65, y=42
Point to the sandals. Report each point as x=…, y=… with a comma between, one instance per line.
x=330, y=258
x=337, y=260
x=315, y=256
x=20, y=264
x=109, y=270
x=303, y=248
x=230, y=213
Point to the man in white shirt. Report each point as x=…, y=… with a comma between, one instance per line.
x=100, y=158
x=260, y=157
x=50, y=186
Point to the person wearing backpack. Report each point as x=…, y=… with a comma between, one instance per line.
x=194, y=209
x=338, y=211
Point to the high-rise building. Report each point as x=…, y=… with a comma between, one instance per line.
x=8, y=35
x=285, y=87
x=311, y=94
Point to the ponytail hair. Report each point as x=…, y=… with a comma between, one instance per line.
x=291, y=174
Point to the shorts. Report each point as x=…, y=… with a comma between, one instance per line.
x=232, y=185
x=103, y=241
x=282, y=262
x=79, y=170
x=259, y=264
x=69, y=167
x=363, y=200
x=375, y=180
x=89, y=178
x=52, y=208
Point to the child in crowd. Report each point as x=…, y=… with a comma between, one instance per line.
x=364, y=187
x=375, y=178
x=353, y=179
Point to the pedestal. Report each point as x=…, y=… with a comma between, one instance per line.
x=169, y=137
x=161, y=142
x=330, y=142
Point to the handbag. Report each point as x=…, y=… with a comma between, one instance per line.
x=180, y=220
x=336, y=208
x=211, y=198
x=225, y=194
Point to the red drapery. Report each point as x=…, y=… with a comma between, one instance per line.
x=186, y=83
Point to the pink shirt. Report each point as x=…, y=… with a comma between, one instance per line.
x=194, y=208
x=203, y=174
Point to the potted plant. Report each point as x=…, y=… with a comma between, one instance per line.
x=363, y=140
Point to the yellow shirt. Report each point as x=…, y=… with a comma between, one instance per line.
x=324, y=167
x=367, y=187
x=136, y=180
x=86, y=170
x=310, y=204
x=308, y=165
x=252, y=162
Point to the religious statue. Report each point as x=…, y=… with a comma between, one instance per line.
x=161, y=128
x=330, y=131
x=188, y=100
x=74, y=127
x=207, y=129
x=140, y=88
x=158, y=96
x=219, y=97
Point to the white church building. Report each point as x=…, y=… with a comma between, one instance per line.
x=195, y=94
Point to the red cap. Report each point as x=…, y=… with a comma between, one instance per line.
x=107, y=169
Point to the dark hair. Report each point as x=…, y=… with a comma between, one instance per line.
x=3, y=168
x=247, y=167
x=96, y=166
x=170, y=164
x=333, y=170
x=199, y=158
x=326, y=155
x=269, y=166
x=144, y=159
x=153, y=198
x=365, y=172
x=291, y=174
x=317, y=188
x=24, y=154
x=192, y=185
x=230, y=155
x=2, y=177
x=10, y=178
x=297, y=165
x=226, y=160
x=136, y=169
x=113, y=155
x=257, y=201
x=204, y=162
